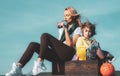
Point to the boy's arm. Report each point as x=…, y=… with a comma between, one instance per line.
x=91, y=43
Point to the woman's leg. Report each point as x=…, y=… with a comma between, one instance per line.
x=58, y=49
x=33, y=47
x=51, y=49
x=17, y=68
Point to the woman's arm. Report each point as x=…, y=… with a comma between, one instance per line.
x=75, y=38
x=79, y=42
x=71, y=41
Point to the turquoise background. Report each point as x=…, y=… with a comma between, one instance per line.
x=23, y=21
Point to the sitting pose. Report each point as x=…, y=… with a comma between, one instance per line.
x=87, y=47
x=51, y=48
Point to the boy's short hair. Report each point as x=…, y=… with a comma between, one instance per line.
x=91, y=26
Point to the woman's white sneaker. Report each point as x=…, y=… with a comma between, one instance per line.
x=38, y=68
x=15, y=71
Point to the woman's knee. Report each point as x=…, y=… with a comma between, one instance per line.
x=34, y=47
x=33, y=44
x=45, y=35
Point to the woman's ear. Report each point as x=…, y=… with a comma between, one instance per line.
x=73, y=17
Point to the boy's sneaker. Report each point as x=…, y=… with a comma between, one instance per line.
x=38, y=68
x=111, y=59
x=15, y=71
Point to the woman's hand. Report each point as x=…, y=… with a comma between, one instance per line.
x=61, y=25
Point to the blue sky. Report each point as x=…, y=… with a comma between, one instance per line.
x=23, y=21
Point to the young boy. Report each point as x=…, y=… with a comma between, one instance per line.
x=88, y=48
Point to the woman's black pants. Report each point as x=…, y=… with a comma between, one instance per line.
x=50, y=48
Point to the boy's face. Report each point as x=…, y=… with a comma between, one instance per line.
x=86, y=32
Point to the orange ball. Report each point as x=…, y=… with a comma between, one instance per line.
x=107, y=69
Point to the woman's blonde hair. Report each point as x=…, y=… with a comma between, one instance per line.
x=74, y=14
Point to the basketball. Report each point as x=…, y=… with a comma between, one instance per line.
x=107, y=69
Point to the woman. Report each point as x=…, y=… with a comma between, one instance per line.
x=51, y=48
x=86, y=41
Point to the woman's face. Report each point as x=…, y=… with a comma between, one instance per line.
x=67, y=16
x=86, y=32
